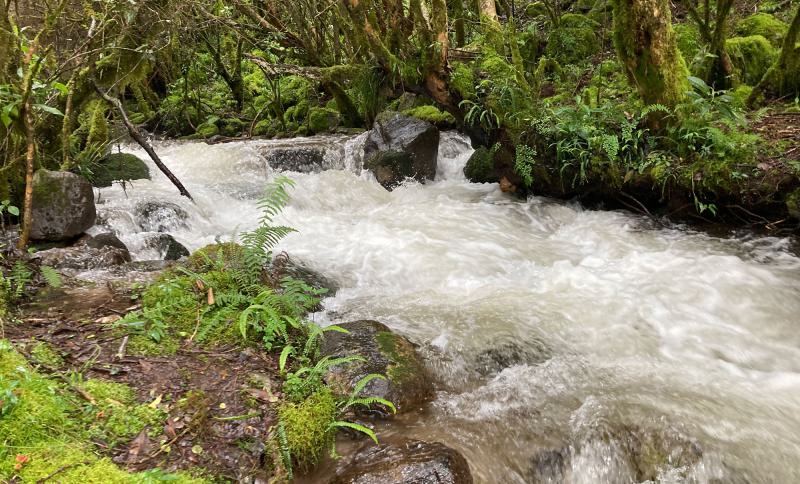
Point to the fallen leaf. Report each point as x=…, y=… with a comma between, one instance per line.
x=108, y=319
x=139, y=445
x=169, y=429
x=210, y=296
x=155, y=403
x=199, y=284
x=197, y=449
x=223, y=405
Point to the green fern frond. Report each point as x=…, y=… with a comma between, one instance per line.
x=338, y=424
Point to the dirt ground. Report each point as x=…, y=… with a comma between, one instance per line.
x=220, y=402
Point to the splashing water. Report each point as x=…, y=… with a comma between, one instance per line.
x=568, y=345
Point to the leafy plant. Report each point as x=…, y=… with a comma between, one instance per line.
x=6, y=207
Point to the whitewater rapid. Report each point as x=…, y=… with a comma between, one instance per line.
x=610, y=322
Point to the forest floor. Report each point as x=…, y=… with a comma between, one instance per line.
x=219, y=402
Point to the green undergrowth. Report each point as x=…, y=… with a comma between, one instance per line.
x=230, y=293
x=47, y=429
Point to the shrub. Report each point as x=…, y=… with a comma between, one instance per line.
x=574, y=41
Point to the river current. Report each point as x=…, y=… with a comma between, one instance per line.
x=559, y=337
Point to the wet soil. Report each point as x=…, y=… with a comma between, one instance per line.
x=220, y=402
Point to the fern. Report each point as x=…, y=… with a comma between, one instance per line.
x=338, y=424
x=21, y=276
x=50, y=276
x=286, y=454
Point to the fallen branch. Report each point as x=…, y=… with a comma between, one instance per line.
x=137, y=136
x=62, y=469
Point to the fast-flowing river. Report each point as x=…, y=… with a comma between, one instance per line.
x=560, y=338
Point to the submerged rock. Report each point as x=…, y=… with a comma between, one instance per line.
x=400, y=147
x=409, y=462
x=407, y=385
x=83, y=257
x=159, y=216
x=63, y=206
x=167, y=247
x=105, y=239
x=628, y=453
x=281, y=267
x=502, y=354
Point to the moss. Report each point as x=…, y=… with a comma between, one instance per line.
x=689, y=41
x=119, y=167
x=793, y=204
x=431, y=114
x=765, y=25
x=117, y=417
x=232, y=127
x=574, y=41
x=480, y=165
x=206, y=130
x=308, y=427
x=462, y=80
x=648, y=50
x=401, y=355
x=226, y=254
x=751, y=57
x=44, y=354
x=321, y=120
x=37, y=423
x=740, y=95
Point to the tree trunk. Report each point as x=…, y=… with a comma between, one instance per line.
x=459, y=23
x=647, y=48
x=488, y=10
x=783, y=78
x=137, y=136
x=30, y=158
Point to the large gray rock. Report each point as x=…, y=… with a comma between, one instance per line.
x=63, y=206
x=408, y=384
x=300, y=159
x=409, y=462
x=400, y=147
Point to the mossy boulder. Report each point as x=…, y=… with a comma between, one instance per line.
x=765, y=25
x=321, y=120
x=119, y=167
x=404, y=462
x=400, y=147
x=751, y=57
x=408, y=384
x=480, y=166
x=63, y=206
x=432, y=114
x=574, y=41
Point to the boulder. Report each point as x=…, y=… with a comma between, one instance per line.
x=400, y=147
x=119, y=167
x=83, y=257
x=285, y=266
x=158, y=216
x=301, y=159
x=167, y=247
x=63, y=206
x=409, y=462
x=105, y=239
x=408, y=384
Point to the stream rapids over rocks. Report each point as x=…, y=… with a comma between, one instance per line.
x=567, y=345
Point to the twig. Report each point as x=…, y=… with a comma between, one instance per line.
x=238, y=417
x=62, y=469
x=121, y=351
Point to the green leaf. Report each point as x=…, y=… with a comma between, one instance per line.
x=60, y=87
x=13, y=211
x=357, y=427
x=49, y=109
x=284, y=356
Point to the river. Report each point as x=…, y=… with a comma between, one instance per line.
x=546, y=326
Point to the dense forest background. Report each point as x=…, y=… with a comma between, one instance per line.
x=685, y=108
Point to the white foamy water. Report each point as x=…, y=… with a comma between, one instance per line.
x=590, y=320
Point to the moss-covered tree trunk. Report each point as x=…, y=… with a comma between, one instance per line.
x=648, y=50
x=783, y=78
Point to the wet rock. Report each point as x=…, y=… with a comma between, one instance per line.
x=105, y=239
x=502, y=354
x=284, y=266
x=400, y=147
x=627, y=453
x=158, y=216
x=167, y=247
x=83, y=257
x=63, y=206
x=301, y=160
x=409, y=462
x=407, y=385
